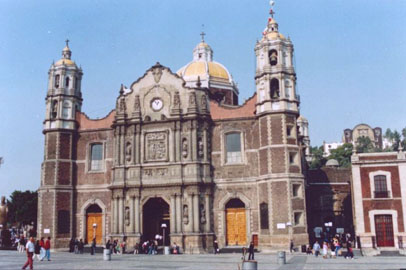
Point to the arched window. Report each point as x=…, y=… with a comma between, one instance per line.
x=54, y=109
x=67, y=82
x=263, y=209
x=63, y=221
x=233, y=148
x=381, y=187
x=273, y=57
x=57, y=78
x=275, y=89
x=96, y=157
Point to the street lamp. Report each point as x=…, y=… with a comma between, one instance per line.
x=163, y=226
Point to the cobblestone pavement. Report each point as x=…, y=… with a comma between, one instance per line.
x=66, y=261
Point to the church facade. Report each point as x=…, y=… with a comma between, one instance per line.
x=178, y=156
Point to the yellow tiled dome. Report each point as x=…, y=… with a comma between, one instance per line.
x=66, y=62
x=199, y=68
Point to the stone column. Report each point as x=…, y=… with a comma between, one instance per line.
x=120, y=215
x=205, y=158
x=137, y=144
x=114, y=217
x=137, y=214
x=196, y=213
x=132, y=214
x=179, y=214
x=178, y=143
x=172, y=215
x=190, y=213
x=122, y=146
x=207, y=209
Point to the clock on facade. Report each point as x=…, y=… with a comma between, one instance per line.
x=157, y=104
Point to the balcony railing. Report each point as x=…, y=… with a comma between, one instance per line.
x=382, y=194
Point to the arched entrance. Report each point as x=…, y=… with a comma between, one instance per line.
x=155, y=212
x=94, y=224
x=236, y=223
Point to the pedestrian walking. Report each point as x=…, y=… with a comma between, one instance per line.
x=93, y=247
x=291, y=246
x=350, y=253
x=216, y=247
x=22, y=244
x=325, y=250
x=316, y=248
x=47, y=249
x=81, y=246
x=76, y=246
x=71, y=245
x=337, y=247
x=30, y=248
x=251, y=251
x=37, y=251
x=136, y=248
x=42, y=244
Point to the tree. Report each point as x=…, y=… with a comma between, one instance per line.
x=22, y=207
x=365, y=145
x=342, y=154
x=318, y=160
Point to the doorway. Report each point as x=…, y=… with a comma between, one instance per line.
x=155, y=212
x=94, y=224
x=384, y=231
x=236, y=223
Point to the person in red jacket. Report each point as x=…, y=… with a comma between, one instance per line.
x=47, y=247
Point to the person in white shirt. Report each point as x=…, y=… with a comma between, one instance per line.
x=30, y=247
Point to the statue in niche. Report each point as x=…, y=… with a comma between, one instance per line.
x=127, y=216
x=157, y=72
x=204, y=102
x=192, y=99
x=184, y=148
x=128, y=152
x=202, y=214
x=200, y=146
x=137, y=103
x=176, y=99
x=3, y=212
x=185, y=214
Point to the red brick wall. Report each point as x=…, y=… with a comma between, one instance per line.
x=65, y=146
x=51, y=145
x=64, y=173
x=276, y=129
x=263, y=161
x=264, y=131
x=278, y=160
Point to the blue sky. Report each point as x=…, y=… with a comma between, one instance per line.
x=350, y=60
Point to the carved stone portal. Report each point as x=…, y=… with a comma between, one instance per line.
x=156, y=146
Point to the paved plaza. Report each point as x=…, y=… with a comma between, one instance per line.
x=67, y=261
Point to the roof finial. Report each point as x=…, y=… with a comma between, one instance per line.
x=67, y=42
x=271, y=3
x=202, y=34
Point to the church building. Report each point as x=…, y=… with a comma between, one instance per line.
x=178, y=156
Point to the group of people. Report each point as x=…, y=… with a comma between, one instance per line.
x=76, y=246
x=39, y=248
x=332, y=249
x=116, y=247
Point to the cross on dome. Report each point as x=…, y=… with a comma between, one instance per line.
x=67, y=42
x=202, y=34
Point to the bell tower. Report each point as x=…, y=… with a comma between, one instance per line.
x=275, y=74
x=64, y=96
x=55, y=195
x=277, y=109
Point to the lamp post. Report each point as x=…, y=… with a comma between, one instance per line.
x=163, y=226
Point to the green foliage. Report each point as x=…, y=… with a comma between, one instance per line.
x=365, y=145
x=395, y=138
x=318, y=160
x=342, y=154
x=22, y=207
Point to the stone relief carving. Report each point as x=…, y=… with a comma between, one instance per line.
x=137, y=106
x=184, y=148
x=121, y=106
x=204, y=102
x=128, y=151
x=202, y=214
x=185, y=214
x=192, y=99
x=156, y=146
x=156, y=172
x=157, y=72
x=200, y=146
x=127, y=216
x=176, y=99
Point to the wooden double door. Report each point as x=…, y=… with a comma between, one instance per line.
x=94, y=227
x=236, y=227
x=384, y=231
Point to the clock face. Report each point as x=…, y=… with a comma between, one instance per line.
x=157, y=104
